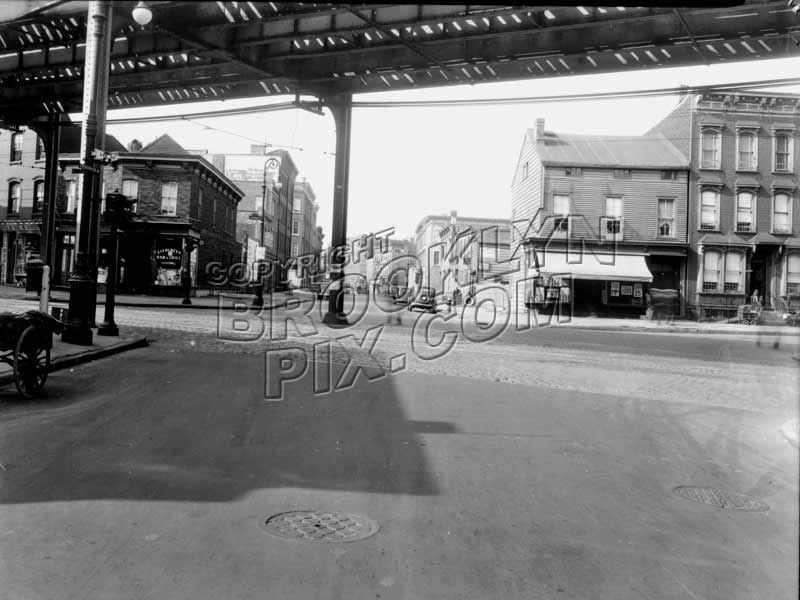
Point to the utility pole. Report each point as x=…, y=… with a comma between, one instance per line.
x=83, y=290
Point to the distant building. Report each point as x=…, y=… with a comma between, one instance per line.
x=744, y=217
x=264, y=219
x=306, y=239
x=180, y=198
x=457, y=252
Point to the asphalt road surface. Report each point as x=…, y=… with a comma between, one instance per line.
x=542, y=464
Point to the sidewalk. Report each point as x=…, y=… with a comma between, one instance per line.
x=129, y=300
x=64, y=356
x=659, y=326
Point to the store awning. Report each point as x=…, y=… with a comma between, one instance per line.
x=595, y=265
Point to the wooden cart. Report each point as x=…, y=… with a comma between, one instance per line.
x=25, y=343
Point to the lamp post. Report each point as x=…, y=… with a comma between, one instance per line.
x=186, y=268
x=118, y=212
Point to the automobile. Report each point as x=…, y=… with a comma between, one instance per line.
x=425, y=300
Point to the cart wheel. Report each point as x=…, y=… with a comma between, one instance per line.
x=31, y=362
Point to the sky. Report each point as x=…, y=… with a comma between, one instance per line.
x=407, y=163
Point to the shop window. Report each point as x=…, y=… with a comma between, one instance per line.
x=561, y=212
x=793, y=275
x=14, y=197
x=709, y=210
x=16, y=147
x=169, y=198
x=38, y=196
x=666, y=217
x=745, y=211
x=710, y=144
x=781, y=213
x=783, y=143
x=747, y=151
x=72, y=195
x=130, y=189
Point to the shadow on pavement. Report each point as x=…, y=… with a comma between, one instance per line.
x=195, y=427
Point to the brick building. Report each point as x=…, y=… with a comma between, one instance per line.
x=602, y=220
x=180, y=197
x=744, y=221
x=306, y=239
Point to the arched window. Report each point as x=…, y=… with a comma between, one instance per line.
x=14, y=197
x=747, y=151
x=710, y=145
x=711, y=268
x=38, y=196
x=745, y=211
x=16, y=147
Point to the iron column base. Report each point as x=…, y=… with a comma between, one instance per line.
x=109, y=329
x=78, y=330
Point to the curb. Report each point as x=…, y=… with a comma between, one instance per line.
x=65, y=362
x=627, y=329
x=60, y=302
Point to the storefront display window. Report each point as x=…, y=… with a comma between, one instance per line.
x=168, y=264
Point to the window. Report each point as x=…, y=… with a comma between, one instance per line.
x=199, y=212
x=435, y=257
x=573, y=171
x=72, y=195
x=295, y=226
x=561, y=212
x=783, y=152
x=734, y=271
x=16, y=147
x=169, y=198
x=130, y=189
x=622, y=173
x=666, y=217
x=793, y=274
x=525, y=171
x=711, y=264
x=745, y=209
x=709, y=210
x=14, y=197
x=39, y=148
x=38, y=196
x=747, y=154
x=613, y=217
x=295, y=249
x=710, y=142
x=781, y=213
x=669, y=175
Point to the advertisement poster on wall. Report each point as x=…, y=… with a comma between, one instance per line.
x=168, y=266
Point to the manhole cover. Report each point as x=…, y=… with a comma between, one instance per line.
x=314, y=526
x=720, y=498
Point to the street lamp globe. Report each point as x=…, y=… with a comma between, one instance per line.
x=142, y=14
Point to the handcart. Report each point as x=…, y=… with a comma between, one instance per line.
x=25, y=343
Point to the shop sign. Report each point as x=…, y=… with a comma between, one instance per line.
x=626, y=290
x=168, y=265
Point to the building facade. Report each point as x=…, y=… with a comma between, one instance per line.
x=601, y=221
x=185, y=214
x=744, y=226
x=306, y=241
x=264, y=218
x=457, y=252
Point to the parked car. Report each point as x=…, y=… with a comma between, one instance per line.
x=425, y=300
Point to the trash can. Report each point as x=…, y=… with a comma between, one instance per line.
x=33, y=275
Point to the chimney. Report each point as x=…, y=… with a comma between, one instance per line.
x=539, y=129
x=218, y=160
x=135, y=146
